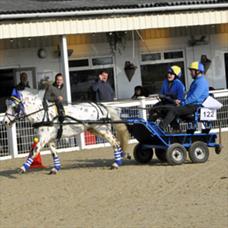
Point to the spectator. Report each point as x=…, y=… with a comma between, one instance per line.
x=139, y=91
x=23, y=82
x=206, y=63
x=102, y=89
x=54, y=93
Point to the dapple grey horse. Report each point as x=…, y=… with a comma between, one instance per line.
x=28, y=103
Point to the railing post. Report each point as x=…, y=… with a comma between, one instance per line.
x=81, y=140
x=12, y=140
x=143, y=106
x=65, y=66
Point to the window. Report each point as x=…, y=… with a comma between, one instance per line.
x=151, y=57
x=102, y=61
x=78, y=63
x=81, y=77
x=153, y=72
x=9, y=79
x=173, y=55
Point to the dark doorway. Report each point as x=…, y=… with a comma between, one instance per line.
x=6, y=86
x=226, y=68
x=81, y=82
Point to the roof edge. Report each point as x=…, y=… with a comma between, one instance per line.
x=111, y=11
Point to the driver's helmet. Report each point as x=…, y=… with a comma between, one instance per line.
x=197, y=66
x=176, y=70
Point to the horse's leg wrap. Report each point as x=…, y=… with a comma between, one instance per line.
x=27, y=164
x=57, y=164
x=118, y=156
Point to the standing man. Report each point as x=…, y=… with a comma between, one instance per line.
x=198, y=92
x=102, y=88
x=23, y=82
x=54, y=93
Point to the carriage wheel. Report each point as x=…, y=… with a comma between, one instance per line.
x=142, y=155
x=161, y=154
x=176, y=154
x=198, y=152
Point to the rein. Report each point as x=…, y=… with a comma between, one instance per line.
x=20, y=114
x=77, y=121
x=20, y=117
x=32, y=113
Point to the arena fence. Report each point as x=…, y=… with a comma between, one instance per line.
x=16, y=141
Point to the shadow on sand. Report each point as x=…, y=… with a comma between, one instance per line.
x=82, y=164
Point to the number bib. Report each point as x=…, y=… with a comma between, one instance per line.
x=208, y=114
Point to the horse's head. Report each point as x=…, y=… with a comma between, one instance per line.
x=15, y=108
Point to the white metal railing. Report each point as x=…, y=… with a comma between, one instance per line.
x=16, y=141
x=4, y=149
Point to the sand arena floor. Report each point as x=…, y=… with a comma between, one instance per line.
x=86, y=193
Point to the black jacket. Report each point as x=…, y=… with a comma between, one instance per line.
x=103, y=91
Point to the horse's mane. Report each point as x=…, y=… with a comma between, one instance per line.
x=33, y=92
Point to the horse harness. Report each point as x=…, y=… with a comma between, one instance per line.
x=19, y=110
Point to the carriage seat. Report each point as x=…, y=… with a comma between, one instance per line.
x=210, y=105
x=191, y=117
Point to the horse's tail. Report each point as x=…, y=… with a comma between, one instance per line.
x=121, y=129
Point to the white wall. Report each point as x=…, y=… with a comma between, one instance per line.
x=27, y=58
x=125, y=87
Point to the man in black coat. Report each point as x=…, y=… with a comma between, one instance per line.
x=102, y=88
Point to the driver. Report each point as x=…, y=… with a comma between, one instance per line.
x=172, y=92
x=172, y=87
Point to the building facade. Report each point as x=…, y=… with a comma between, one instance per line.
x=81, y=38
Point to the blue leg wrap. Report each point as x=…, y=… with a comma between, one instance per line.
x=28, y=163
x=118, y=156
x=57, y=163
x=123, y=154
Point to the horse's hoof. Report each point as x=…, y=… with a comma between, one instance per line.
x=53, y=172
x=114, y=166
x=129, y=157
x=21, y=170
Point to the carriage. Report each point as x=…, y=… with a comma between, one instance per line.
x=173, y=147
x=170, y=147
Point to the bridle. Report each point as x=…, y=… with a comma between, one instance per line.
x=19, y=110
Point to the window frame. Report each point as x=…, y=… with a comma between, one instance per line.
x=91, y=66
x=95, y=67
x=163, y=60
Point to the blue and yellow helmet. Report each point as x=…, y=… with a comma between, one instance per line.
x=176, y=70
x=196, y=66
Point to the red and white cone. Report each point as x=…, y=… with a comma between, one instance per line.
x=37, y=162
